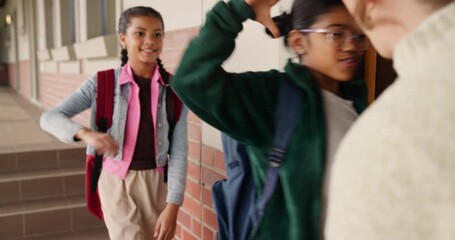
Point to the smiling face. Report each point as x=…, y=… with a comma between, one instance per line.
x=320, y=51
x=143, y=40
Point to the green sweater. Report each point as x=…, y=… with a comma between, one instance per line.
x=242, y=105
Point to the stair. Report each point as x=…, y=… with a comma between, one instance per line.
x=42, y=196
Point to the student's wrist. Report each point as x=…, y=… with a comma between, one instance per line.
x=172, y=207
x=82, y=133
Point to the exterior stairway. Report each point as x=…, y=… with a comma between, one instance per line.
x=41, y=179
x=42, y=196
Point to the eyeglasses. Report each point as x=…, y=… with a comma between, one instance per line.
x=342, y=37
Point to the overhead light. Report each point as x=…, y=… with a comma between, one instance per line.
x=8, y=19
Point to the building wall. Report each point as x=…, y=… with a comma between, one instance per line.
x=55, y=87
x=4, y=76
x=24, y=79
x=12, y=74
x=197, y=218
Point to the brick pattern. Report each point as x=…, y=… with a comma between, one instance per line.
x=12, y=75
x=206, y=166
x=25, y=85
x=23, y=80
x=197, y=219
x=55, y=87
x=175, y=42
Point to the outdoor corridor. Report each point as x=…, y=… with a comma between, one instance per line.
x=41, y=179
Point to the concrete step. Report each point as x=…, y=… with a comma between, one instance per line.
x=99, y=233
x=41, y=174
x=56, y=215
x=38, y=184
x=41, y=160
x=42, y=196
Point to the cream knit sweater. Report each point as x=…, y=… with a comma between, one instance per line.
x=394, y=173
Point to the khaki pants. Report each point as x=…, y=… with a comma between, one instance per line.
x=131, y=207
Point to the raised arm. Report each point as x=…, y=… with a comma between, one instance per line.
x=239, y=104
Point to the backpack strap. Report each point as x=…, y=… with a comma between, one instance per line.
x=173, y=107
x=287, y=115
x=104, y=111
x=173, y=110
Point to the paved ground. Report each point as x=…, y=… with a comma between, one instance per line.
x=19, y=125
x=20, y=134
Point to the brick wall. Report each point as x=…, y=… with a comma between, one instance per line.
x=12, y=75
x=24, y=78
x=197, y=219
x=54, y=87
x=175, y=43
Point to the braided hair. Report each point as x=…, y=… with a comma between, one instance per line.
x=164, y=74
x=124, y=23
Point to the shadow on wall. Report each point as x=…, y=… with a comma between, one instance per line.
x=3, y=75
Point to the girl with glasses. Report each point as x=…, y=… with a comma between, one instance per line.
x=329, y=48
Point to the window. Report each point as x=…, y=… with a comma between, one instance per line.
x=101, y=18
x=65, y=17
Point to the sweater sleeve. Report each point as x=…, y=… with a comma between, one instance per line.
x=239, y=104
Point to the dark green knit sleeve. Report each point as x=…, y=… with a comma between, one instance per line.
x=239, y=104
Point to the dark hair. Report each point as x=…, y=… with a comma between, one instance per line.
x=304, y=13
x=124, y=23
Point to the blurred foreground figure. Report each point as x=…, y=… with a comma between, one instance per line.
x=394, y=173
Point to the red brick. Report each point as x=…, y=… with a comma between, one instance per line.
x=194, y=132
x=188, y=236
x=24, y=79
x=54, y=87
x=218, y=161
x=208, y=155
x=193, y=188
x=184, y=218
x=208, y=234
x=178, y=38
x=172, y=56
x=194, y=150
x=197, y=228
x=194, y=171
x=193, y=118
x=207, y=196
x=178, y=231
x=192, y=207
x=209, y=218
x=209, y=177
x=12, y=75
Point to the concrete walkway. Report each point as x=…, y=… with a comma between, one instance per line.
x=19, y=126
x=41, y=179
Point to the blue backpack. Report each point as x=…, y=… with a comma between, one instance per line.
x=236, y=203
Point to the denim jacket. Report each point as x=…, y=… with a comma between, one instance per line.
x=57, y=121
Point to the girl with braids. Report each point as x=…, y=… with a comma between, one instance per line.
x=329, y=46
x=137, y=203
